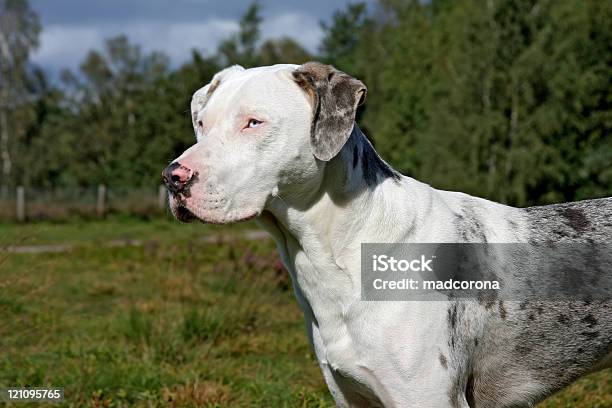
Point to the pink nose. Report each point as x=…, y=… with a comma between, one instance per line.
x=177, y=177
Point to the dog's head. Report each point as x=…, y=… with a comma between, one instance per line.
x=261, y=133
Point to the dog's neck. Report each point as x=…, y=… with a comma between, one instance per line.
x=360, y=199
x=353, y=183
x=357, y=167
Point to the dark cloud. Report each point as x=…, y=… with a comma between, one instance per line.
x=78, y=11
x=72, y=27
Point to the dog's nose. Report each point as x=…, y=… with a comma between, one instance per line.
x=176, y=177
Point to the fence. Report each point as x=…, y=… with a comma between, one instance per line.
x=35, y=204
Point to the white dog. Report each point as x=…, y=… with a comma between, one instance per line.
x=279, y=143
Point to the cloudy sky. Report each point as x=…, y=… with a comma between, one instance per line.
x=72, y=27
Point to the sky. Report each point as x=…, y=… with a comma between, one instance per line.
x=73, y=27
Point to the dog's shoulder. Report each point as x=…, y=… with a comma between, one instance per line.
x=586, y=221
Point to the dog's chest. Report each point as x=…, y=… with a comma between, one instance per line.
x=369, y=347
x=340, y=320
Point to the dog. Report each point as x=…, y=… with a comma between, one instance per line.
x=280, y=144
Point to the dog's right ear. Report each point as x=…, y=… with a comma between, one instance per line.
x=202, y=95
x=334, y=96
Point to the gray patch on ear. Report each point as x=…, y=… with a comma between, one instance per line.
x=335, y=97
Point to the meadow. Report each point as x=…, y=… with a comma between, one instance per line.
x=156, y=313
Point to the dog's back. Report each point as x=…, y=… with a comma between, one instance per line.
x=535, y=346
x=578, y=222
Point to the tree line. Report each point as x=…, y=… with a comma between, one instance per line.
x=508, y=100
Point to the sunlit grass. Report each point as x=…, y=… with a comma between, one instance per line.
x=176, y=321
x=180, y=323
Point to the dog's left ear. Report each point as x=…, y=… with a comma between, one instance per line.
x=335, y=97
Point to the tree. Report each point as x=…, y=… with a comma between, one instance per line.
x=19, y=31
x=343, y=34
x=464, y=95
x=244, y=48
x=105, y=117
x=241, y=48
x=282, y=51
x=128, y=113
x=472, y=96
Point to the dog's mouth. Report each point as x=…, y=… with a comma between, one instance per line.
x=188, y=213
x=183, y=214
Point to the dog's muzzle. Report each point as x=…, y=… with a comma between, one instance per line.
x=178, y=178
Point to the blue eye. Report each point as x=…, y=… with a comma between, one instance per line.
x=253, y=123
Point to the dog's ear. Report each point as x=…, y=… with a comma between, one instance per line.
x=335, y=97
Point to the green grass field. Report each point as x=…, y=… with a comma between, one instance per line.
x=174, y=321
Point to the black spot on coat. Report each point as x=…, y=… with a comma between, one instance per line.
x=590, y=320
x=443, y=361
x=576, y=219
x=502, y=310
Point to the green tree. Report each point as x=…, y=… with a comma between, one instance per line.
x=104, y=115
x=245, y=47
x=125, y=113
x=343, y=34
x=503, y=99
x=282, y=51
x=19, y=31
x=241, y=48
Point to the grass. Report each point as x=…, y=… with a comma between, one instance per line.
x=176, y=321
x=113, y=228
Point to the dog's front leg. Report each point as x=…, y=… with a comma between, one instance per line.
x=315, y=341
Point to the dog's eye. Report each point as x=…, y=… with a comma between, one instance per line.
x=200, y=124
x=253, y=123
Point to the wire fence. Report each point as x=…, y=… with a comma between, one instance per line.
x=38, y=204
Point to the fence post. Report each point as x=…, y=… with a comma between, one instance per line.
x=101, y=202
x=162, y=196
x=21, y=213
